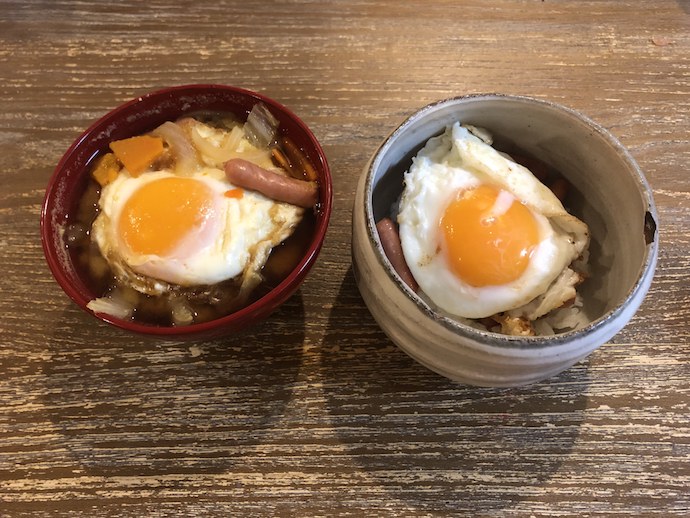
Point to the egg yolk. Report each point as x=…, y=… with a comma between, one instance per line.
x=161, y=213
x=488, y=236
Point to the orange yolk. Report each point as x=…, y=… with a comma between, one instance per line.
x=488, y=243
x=163, y=212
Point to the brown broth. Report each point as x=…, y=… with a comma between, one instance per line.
x=206, y=302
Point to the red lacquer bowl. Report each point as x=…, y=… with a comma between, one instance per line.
x=144, y=114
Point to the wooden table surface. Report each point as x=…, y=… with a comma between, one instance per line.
x=315, y=412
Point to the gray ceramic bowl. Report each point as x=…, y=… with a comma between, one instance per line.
x=609, y=192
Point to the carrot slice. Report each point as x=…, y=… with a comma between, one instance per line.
x=137, y=153
x=105, y=169
x=234, y=193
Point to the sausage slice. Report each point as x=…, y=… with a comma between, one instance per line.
x=248, y=175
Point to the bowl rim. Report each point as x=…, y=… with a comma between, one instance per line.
x=497, y=339
x=240, y=318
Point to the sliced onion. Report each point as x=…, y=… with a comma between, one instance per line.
x=114, y=306
x=186, y=160
x=234, y=138
x=261, y=126
x=181, y=313
x=218, y=154
x=261, y=157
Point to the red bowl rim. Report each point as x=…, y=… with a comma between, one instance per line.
x=234, y=321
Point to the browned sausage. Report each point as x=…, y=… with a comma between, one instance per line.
x=277, y=187
x=390, y=240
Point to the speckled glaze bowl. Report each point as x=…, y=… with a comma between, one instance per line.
x=610, y=194
x=143, y=114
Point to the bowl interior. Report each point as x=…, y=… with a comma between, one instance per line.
x=143, y=114
x=609, y=192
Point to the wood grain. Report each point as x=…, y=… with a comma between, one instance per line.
x=315, y=412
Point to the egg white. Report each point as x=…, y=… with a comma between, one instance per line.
x=236, y=240
x=458, y=160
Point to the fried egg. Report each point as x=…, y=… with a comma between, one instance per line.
x=480, y=234
x=159, y=229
